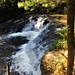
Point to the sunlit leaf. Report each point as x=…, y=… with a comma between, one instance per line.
x=20, y=4
x=45, y=5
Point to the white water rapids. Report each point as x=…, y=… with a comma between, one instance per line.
x=27, y=60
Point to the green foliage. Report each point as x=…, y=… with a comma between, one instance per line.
x=8, y=3
x=28, y=4
x=34, y=4
x=63, y=33
x=20, y=4
x=59, y=43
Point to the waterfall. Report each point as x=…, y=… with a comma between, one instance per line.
x=27, y=60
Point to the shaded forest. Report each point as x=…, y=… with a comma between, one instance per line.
x=13, y=8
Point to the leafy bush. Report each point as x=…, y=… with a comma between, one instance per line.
x=59, y=43
x=63, y=33
x=47, y=5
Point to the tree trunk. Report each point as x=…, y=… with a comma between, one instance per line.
x=7, y=69
x=70, y=36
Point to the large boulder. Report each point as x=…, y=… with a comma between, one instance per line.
x=54, y=63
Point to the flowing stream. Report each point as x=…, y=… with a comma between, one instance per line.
x=27, y=60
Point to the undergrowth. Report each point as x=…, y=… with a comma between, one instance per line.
x=60, y=42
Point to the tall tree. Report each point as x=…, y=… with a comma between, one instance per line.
x=70, y=35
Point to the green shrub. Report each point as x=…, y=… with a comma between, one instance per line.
x=63, y=33
x=32, y=5
x=59, y=43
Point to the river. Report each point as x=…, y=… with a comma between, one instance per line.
x=31, y=44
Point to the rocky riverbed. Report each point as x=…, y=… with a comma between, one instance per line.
x=9, y=47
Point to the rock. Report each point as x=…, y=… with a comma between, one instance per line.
x=35, y=17
x=6, y=50
x=53, y=63
x=45, y=22
x=16, y=41
x=47, y=64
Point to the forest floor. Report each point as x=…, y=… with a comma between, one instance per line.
x=59, y=18
x=55, y=62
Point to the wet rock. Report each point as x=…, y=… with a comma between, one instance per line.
x=14, y=73
x=16, y=41
x=16, y=28
x=45, y=22
x=35, y=17
x=6, y=50
x=17, y=73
